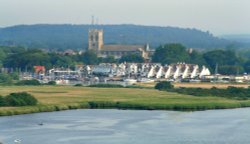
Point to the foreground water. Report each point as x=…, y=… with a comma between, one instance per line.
x=128, y=127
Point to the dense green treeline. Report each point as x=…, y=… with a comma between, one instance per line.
x=230, y=92
x=26, y=59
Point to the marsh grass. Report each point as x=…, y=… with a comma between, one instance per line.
x=199, y=85
x=48, y=92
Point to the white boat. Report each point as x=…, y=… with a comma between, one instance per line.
x=130, y=81
x=17, y=141
x=145, y=80
x=62, y=82
x=170, y=80
x=195, y=81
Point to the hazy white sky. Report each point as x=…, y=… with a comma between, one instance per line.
x=216, y=16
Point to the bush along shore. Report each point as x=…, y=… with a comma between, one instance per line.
x=41, y=108
x=18, y=99
x=121, y=106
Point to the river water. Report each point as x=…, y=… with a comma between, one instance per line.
x=128, y=127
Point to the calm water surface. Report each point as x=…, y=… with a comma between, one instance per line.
x=128, y=127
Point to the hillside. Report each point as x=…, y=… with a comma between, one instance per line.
x=243, y=38
x=75, y=36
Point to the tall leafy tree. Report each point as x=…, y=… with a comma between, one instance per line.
x=221, y=57
x=247, y=66
x=89, y=58
x=61, y=60
x=108, y=59
x=5, y=79
x=197, y=58
x=171, y=53
x=228, y=62
x=132, y=58
x=27, y=59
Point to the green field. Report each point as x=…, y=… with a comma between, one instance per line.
x=54, y=98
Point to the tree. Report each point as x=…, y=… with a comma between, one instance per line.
x=20, y=99
x=109, y=59
x=2, y=102
x=51, y=83
x=27, y=59
x=228, y=62
x=221, y=57
x=89, y=58
x=247, y=66
x=14, y=76
x=33, y=82
x=164, y=85
x=230, y=70
x=5, y=79
x=136, y=58
x=61, y=60
x=197, y=58
x=2, y=56
x=171, y=53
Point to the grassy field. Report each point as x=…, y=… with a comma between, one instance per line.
x=54, y=98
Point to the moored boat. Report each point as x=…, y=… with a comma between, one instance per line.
x=145, y=80
x=130, y=81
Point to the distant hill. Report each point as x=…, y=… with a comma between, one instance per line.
x=244, y=38
x=76, y=36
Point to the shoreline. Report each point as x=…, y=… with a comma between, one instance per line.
x=111, y=105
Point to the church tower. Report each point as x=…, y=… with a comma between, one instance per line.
x=95, y=40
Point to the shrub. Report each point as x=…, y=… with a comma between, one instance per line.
x=230, y=92
x=164, y=85
x=2, y=101
x=78, y=85
x=20, y=99
x=135, y=86
x=107, y=85
x=28, y=82
x=14, y=76
x=51, y=83
x=6, y=79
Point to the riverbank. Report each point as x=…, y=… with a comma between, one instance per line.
x=56, y=98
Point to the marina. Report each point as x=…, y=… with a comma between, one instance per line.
x=131, y=73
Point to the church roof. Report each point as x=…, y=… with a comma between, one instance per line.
x=122, y=47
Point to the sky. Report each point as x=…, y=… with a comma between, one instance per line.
x=219, y=17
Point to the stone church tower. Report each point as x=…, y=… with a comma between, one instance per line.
x=95, y=40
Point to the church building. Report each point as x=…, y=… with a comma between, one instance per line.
x=96, y=44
